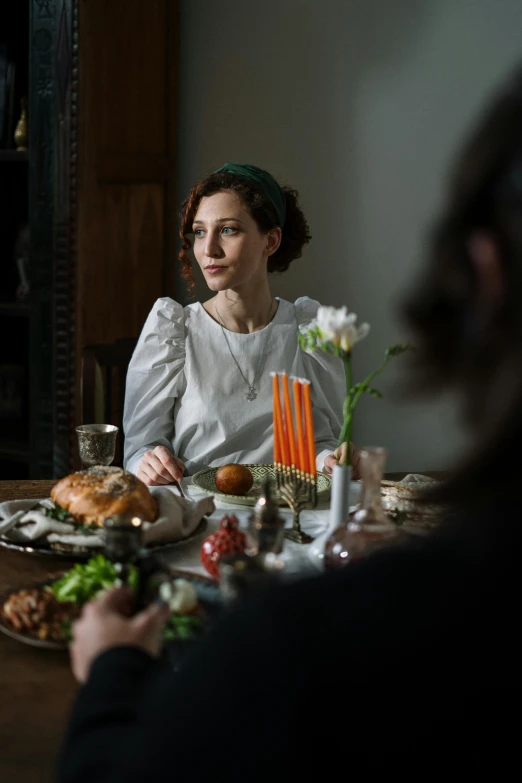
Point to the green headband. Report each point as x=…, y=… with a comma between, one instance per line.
x=263, y=180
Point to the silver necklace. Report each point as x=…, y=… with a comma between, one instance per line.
x=251, y=393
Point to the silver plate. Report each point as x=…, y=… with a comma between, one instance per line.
x=81, y=554
x=206, y=481
x=207, y=590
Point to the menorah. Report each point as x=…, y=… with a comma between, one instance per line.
x=294, y=450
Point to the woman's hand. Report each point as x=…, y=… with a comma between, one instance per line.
x=105, y=623
x=338, y=457
x=159, y=467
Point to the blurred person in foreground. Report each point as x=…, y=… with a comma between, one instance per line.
x=402, y=660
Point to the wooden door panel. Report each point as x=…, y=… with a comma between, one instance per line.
x=127, y=71
x=123, y=277
x=126, y=182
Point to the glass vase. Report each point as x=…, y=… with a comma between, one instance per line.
x=369, y=528
x=341, y=495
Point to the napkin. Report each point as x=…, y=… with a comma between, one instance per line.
x=178, y=517
x=22, y=521
x=25, y=520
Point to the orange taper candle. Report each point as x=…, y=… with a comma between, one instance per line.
x=302, y=455
x=289, y=422
x=283, y=446
x=277, y=434
x=309, y=424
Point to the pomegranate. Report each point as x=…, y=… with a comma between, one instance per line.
x=227, y=540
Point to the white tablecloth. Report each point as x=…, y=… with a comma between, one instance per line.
x=298, y=557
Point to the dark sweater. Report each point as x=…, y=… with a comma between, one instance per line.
x=407, y=656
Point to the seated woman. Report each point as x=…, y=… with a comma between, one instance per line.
x=199, y=389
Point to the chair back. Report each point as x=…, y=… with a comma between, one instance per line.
x=103, y=376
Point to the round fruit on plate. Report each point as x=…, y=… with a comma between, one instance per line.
x=234, y=479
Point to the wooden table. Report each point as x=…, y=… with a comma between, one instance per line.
x=36, y=685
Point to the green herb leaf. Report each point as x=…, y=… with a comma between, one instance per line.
x=396, y=350
x=87, y=529
x=182, y=627
x=57, y=512
x=84, y=581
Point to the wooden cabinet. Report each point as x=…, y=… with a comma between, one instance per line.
x=99, y=189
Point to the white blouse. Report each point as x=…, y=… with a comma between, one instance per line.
x=184, y=390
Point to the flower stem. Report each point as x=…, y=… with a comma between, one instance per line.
x=346, y=433
x=364, y=385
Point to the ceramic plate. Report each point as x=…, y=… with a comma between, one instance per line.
x=207, y=589
x=206, y=481
x=80, y=554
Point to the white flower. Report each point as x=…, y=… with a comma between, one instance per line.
x=339, y=327
x=309, y=326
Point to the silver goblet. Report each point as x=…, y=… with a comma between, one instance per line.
x=96, y=443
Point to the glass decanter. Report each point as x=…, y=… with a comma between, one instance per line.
x=369, y=528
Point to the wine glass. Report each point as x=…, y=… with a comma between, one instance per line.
x=96, y=444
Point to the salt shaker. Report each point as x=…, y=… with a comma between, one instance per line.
x=266, y=523
x=124, y=547
x=123, y=542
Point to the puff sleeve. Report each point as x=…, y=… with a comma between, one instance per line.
x=155, y=379
x=326, y=372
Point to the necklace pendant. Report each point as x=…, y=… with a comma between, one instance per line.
x=251, y=394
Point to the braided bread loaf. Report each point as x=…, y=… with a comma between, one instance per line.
x=92, y=495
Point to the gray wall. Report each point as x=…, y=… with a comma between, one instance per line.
x=360, y=105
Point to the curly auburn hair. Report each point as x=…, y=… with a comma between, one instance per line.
x=295, y=233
